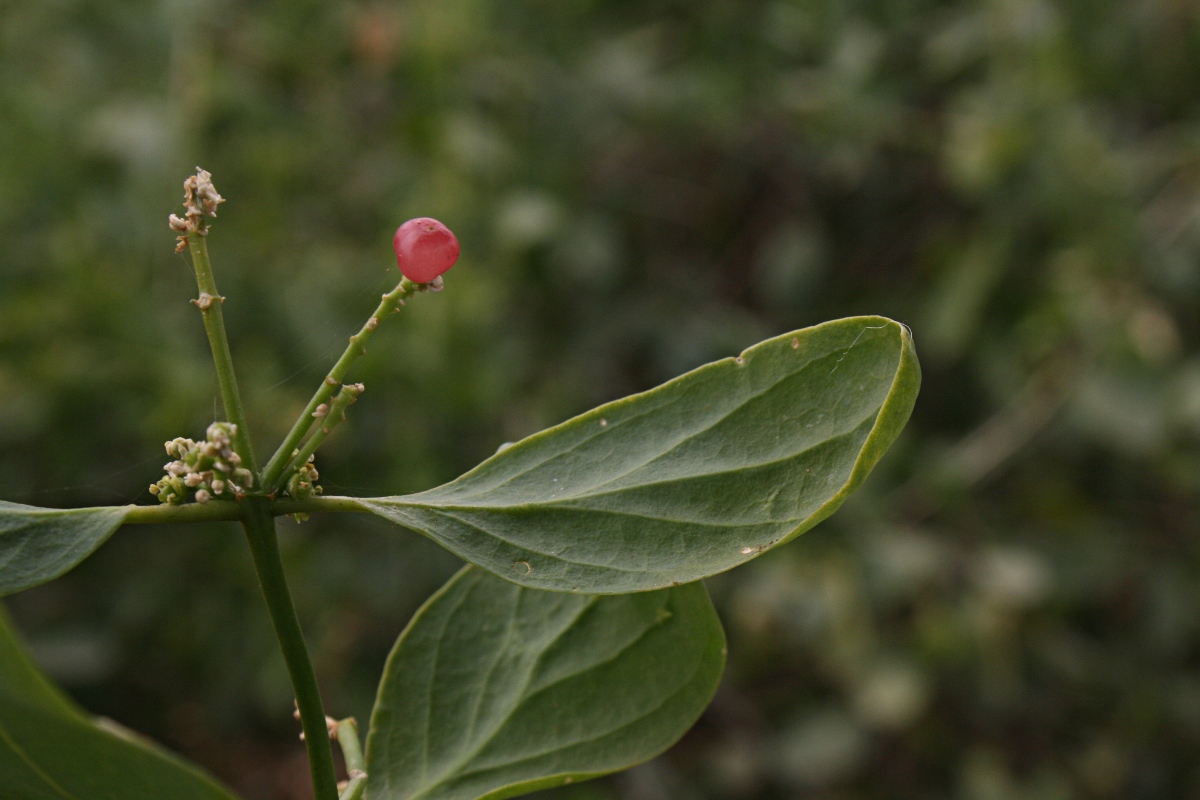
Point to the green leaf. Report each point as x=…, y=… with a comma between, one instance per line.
x=20, y=679
x=50, y=750
x=495, y=690
x=39, y=544
x=686, y=480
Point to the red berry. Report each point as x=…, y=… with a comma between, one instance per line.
x=425, y=248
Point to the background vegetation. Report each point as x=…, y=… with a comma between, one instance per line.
x=1010, y=609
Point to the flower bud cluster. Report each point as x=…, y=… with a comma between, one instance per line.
x=203, y=470
x=200, y=197
x=303, y=484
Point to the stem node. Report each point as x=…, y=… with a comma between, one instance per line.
x=206, y=300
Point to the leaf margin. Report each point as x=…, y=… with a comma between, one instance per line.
x=111, y=518
x=46, y=700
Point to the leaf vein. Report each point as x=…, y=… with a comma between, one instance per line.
x=482, y=745
x=588, y=739
x=525, y=547
x=674, y=446
x=16, y=748
x=591, y=493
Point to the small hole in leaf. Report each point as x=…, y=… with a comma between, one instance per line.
x=603, y=423
x=523, y=567
x=795, y=344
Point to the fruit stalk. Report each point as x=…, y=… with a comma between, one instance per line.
x=327, y=417
x=390, y=302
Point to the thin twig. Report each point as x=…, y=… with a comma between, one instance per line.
x=388, y=305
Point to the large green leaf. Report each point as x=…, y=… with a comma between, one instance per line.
x=39, y=544
x=49, y=750
x=686, y=480
x=20, y=679
x=495, y=690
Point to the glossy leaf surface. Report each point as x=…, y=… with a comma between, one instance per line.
x=495, y=690
x=39, y=544
x=49, y=750
x=686, y=480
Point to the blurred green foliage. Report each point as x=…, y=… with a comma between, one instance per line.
x=1010, y=609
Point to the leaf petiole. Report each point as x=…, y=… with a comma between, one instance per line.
x=224, y=511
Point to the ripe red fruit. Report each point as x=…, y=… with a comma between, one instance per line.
x=425, y=248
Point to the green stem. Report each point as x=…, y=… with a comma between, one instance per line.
x=220, y=511
x=264, y=546
x=209, y=303
x=347, y=735
x=354, y=789
x=189, y=512
x=290, y=505
x=334, y=415
x=390, y=302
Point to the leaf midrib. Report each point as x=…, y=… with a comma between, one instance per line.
x=576, y=743
x=530, y=549
x=510, y=626
x=564, y=502
x=466, y=479
x=437, y=654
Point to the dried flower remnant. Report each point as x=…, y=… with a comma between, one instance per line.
x=200, y=198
